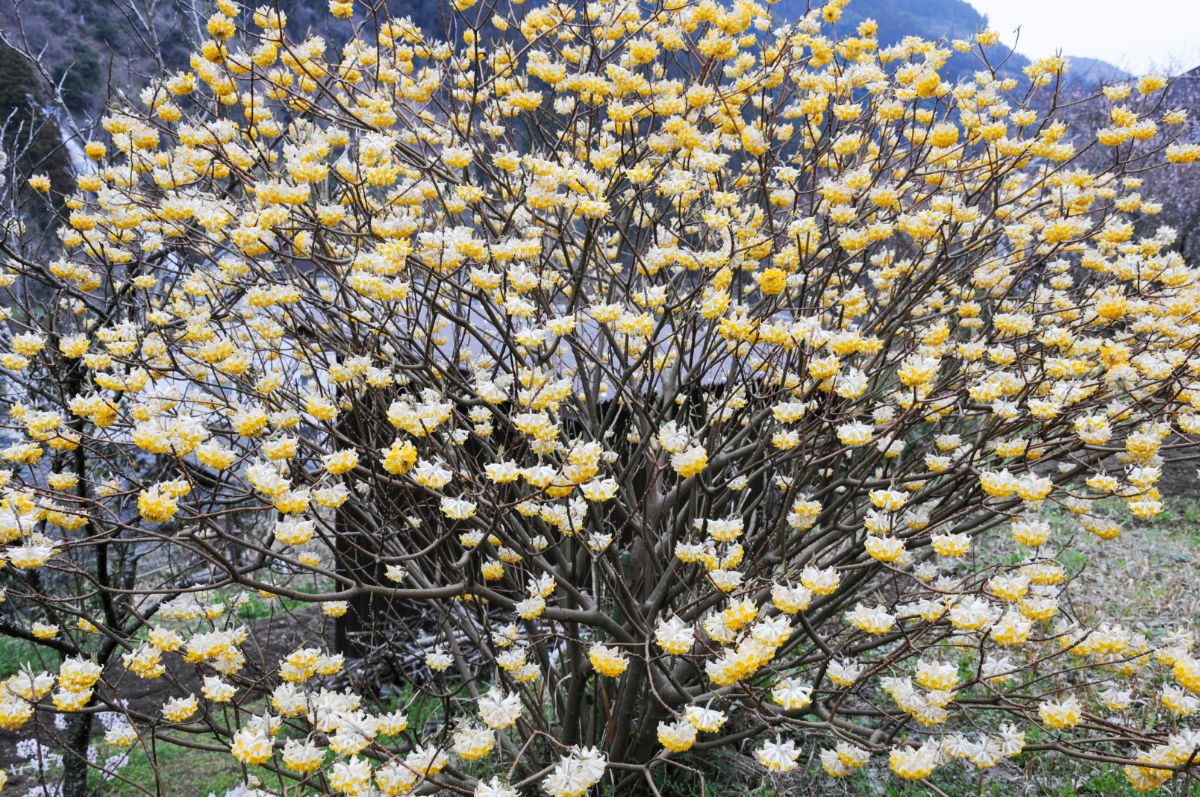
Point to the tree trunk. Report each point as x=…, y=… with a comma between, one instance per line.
x=75, y=755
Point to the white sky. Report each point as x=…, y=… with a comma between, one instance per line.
x=1136, y=35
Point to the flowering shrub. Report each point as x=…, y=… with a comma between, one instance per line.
x=671, y=362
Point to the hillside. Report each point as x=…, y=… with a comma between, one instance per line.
x=947, y=19
x=929, y=19
x=933, y=19
x=92, y=46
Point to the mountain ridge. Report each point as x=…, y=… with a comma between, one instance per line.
x=947, y=19
x=91, y=48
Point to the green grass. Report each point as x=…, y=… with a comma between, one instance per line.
x=1152, y=565
x=16, y=653
x=1162, y=553
x=181, y=771
x=1044, y=776
x=184, y=772
x=252, y=607
x=172, y=770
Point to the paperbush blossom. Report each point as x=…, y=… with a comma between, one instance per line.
x=631, y=377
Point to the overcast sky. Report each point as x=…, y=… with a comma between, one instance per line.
x=1137, y=35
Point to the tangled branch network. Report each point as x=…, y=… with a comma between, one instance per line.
x=629, y=380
